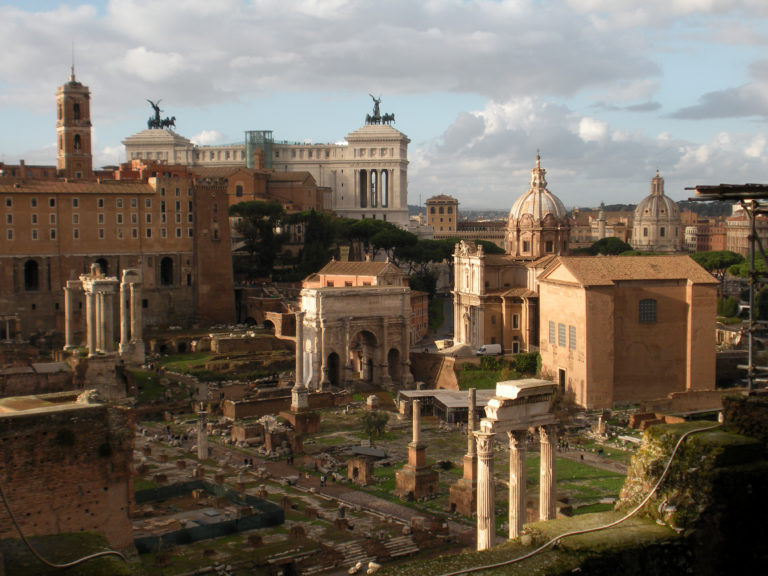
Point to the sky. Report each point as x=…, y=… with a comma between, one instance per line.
x=607, y=91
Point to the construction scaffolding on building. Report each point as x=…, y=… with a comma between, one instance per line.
x=753, y=199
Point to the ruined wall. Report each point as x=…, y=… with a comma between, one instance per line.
x=68, y=469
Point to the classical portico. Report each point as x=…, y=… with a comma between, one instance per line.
x=518, y=406
x=100, y=292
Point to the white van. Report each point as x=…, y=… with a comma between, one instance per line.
x=489, y=350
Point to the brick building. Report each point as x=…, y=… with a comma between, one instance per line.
x=166, y=222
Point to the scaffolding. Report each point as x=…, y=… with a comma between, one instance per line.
x=753, y=199
x=258, y=140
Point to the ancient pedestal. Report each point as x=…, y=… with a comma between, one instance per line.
x=416, y=480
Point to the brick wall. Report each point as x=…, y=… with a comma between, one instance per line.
x=68, y=469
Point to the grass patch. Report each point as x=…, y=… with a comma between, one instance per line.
x=148, y=386
x=185, y=362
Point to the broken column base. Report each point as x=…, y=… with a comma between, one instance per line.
x=463, y=497
x=303, y=422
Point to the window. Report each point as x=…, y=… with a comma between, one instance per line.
x=75, y=219
x=450, y=209
x=31, y=276
x=647, y=311
x=9, y=218
x=133, y=203
x=9, y=202
x=134, y=218
x=178, y=232
x=33, y=202
x=162, y=191
x=76, y=233
x=148, y=203
x=10, y=234
x=440, y=210
x=52, y=219
x=561, y=334
x=178, y=205
x=662, y=232
x=75, y=202
x=100, y=218
x=549, y=246
x=645, y=232
x=100, y=203
x=526, y=246
x=52, y=202
x=148, y=218
x=134, y=232
x=119, y=203
x=148, y=232
x=515, y=321
x=177, y=191
x=572, y=337
x=551, y=332
x=119, y=218
x=190, y=232
x=166, y=271
x=163, y=232
x=432, y=210
x=53, y=233
x=34, y=218
x=101, y=233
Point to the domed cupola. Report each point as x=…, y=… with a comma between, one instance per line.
x=657, y=225
x=538, y=223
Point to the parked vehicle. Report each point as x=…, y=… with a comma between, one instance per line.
x=489, y=350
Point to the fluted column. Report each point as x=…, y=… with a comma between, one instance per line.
x=486, y=519
x=516, y=482
x=108, y=312
x=547, y=480
x=125, y=318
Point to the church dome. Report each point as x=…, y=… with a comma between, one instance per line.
x=538, y=201
x=657, y=225
x=538, y=223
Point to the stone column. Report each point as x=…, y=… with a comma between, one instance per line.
x=125, y=317
x=99, y=316
x=516, y=482
x=202, y=434
x=325, y=382
x=90, y=321
x=547, y=494
x=471, y=403
x=108, y=312
x=69, y=295
x=136, y=318
x=385, y=379
x=416, y=419
x=299, y=397
x=486, y=519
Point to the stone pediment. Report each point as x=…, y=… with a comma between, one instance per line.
x=157, y=137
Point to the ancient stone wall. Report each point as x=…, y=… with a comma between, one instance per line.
x=68, y=469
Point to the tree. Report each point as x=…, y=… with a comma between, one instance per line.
x=374, y=423
x=718, y=263
x=258, y=226
x=392, y=240
x=489, y=247
x=611, y=246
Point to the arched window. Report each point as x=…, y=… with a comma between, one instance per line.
x=166, y=271
x=239, y=190
x=78, y=143
x=647, y=311
x=374, y=189
x=31, y=276
x=384, y=187
x=363, y=189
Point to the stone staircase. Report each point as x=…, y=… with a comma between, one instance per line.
x=401, y=546
x=353, y=553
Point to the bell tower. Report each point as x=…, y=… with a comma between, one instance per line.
x=73, y=130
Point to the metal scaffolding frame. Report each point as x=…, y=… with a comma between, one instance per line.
x=753, y=198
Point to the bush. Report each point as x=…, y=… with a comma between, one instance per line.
x=728, y=307
x=527, y=362
x=490, y=363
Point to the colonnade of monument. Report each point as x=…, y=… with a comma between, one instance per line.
x=517, y=407
x=100, y=292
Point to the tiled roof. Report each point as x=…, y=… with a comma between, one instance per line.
x=359, y=268
x=9, y=186
x=607, y=270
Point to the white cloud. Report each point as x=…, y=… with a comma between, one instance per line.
x=207, y=137
x=592, y=130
